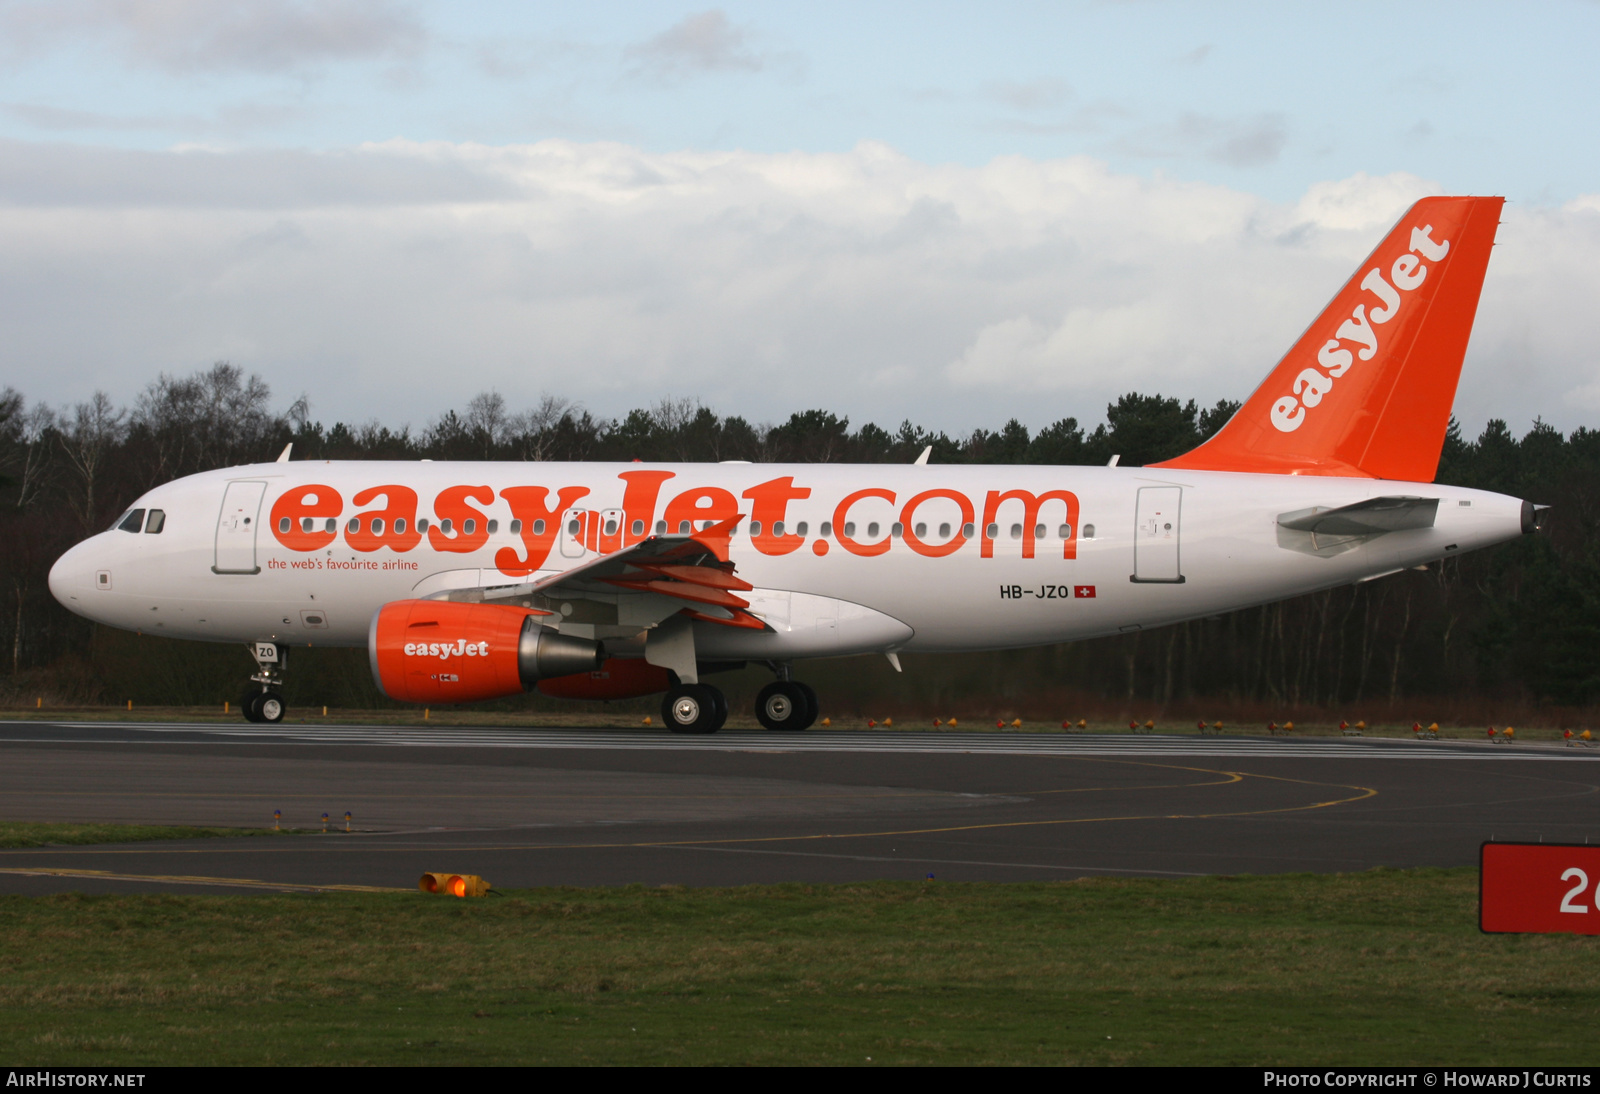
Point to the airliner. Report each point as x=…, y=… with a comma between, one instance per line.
x=474, y=581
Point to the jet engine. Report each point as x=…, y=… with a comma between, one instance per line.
x=440, y=651
x=618, y=678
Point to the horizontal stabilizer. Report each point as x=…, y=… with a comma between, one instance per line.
x=1372, y=517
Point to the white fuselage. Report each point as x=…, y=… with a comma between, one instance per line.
x=1151, y=547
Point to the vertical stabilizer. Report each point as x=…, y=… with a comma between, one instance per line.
x=1368, y=388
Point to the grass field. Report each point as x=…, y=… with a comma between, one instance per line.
x=1378, y=968
x=28, y=834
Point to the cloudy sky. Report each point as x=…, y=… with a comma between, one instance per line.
x=952, y=213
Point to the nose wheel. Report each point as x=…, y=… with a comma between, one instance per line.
x=263, y=706
x=786, y=705
x=265, y=703
x=694, y=708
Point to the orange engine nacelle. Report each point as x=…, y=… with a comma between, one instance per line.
x=438, y=651
x=618, y=678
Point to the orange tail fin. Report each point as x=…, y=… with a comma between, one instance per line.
x=1367, y=390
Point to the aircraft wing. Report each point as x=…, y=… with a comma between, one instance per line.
x=688, y=574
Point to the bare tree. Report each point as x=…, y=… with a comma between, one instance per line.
x=25, y=445
x=299, y=413
x=536, y=429
x=215, y=418
x=672, y=415
x=487, y=421
x=88, y=438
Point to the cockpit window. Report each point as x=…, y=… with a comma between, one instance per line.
x=158, y=520
x=133, y=521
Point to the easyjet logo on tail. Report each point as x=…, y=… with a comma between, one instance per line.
x=1406, y=274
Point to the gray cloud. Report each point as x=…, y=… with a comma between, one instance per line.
x=702, y=43
x=201, y=35
x=1090, y=118
x=1029, y=95
x=43, y=175
x=395, y=280
x=1237, y=142
x=229, y=120
x=1251, y=142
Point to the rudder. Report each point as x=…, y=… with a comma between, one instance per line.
x=1368, y=388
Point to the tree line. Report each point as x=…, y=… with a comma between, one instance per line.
x=1518, y=624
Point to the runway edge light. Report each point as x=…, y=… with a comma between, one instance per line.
x=442, y=883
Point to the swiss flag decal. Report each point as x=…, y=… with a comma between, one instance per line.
x=1083, y=592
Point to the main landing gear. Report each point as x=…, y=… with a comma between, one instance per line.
x=786, y=705
x=264, y=702
x=694, y=708
x=783, y=706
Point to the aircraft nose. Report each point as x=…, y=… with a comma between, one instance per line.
x=72, y=577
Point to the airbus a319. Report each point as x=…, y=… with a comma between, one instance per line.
x=472, y=581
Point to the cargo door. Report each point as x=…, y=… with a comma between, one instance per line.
x=1155, y=535
x=236, y=529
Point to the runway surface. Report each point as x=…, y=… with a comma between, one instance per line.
x=529, y=807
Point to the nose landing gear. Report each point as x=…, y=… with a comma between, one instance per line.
x=265, y=704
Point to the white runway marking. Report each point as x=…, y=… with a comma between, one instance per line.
x=992, y=744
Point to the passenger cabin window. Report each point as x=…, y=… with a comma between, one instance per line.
x=157, y=521
x=132, y=522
